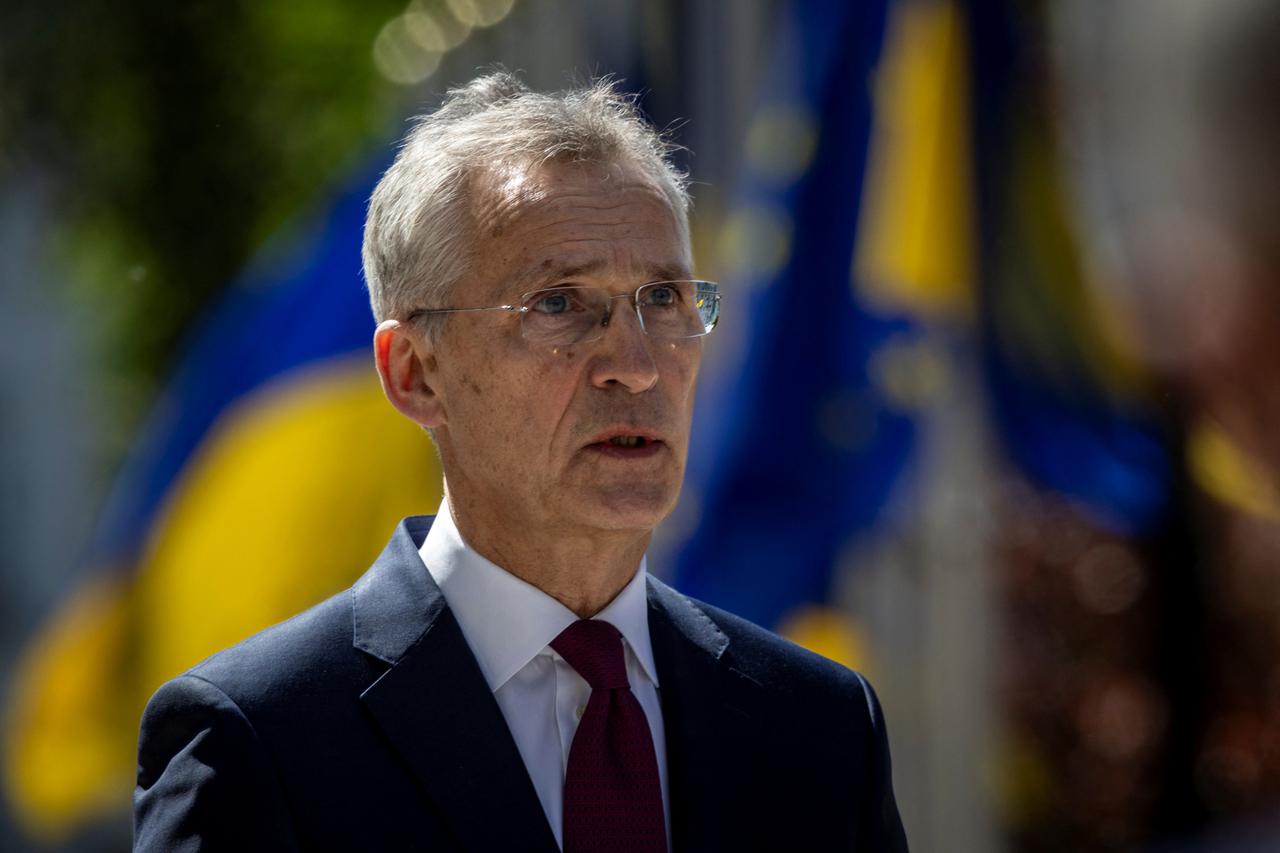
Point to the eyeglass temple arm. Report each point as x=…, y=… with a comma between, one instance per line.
x=423, y=312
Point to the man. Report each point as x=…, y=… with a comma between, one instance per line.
x=507, y=676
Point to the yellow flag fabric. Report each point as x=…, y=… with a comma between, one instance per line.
x=915, y=248
x=289, y=498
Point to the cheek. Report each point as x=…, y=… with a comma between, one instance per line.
x=512, y=408
x=684, y=362
x=481, y=397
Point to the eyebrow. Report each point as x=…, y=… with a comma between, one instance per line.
x=652, y=272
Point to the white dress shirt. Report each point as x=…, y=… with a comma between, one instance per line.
x=509, y=623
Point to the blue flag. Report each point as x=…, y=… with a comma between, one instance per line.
x=796, y=448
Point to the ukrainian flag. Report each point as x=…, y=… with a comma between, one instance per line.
x=1073, y=410
x=849, y=246
x=871, y=248
x=268, y=477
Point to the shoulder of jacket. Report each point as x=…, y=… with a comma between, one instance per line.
x=316, y=641
x=774, y=660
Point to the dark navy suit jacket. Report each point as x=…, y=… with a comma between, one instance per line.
x=365, y=724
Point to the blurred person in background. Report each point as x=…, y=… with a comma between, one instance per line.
x=1174, y=116
x=1211, y=254
x=507, y=675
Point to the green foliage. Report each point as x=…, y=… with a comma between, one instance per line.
x=178, y=137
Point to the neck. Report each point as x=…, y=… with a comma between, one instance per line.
x=582, y=569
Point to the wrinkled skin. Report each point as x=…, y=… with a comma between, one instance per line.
x=517, y=426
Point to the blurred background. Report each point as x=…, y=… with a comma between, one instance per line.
x=991, y=412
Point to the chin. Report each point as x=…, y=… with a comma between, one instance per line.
x=630, y=507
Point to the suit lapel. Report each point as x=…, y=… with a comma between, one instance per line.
x=435, y=708
x=709, y=730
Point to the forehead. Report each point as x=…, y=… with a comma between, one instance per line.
x=595, y=220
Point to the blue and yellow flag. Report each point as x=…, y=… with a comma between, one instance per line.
x=869, y=251
x=268, y=477
x=1072, y=410
x=850, y=241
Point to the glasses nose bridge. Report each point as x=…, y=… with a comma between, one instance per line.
x=634, y=303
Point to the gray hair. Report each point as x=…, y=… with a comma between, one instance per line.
x=418, y=228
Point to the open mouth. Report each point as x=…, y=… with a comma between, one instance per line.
x=628, y=446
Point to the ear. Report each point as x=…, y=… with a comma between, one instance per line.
x=408, y=371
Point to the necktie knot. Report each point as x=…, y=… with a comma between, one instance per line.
x=593, y=648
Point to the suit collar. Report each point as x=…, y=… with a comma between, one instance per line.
x=435, y=708
x=676, y=612
x=437, y=711
x=396, y=602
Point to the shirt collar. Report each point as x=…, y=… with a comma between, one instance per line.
x=507, y=621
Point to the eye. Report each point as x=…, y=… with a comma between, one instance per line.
x=662, y=296
x=552, y=302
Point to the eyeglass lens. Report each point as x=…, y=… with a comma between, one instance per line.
x=668, y=309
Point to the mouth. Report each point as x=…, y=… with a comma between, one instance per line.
x=629, y=441
x=626, y=445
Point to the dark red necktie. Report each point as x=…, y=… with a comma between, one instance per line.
x=612, y=795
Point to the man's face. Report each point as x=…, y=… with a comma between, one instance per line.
x=527, y=429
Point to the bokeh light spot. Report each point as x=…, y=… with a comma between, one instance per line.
x=398, y=54
x=755, y=243
x=1121, y=716
x=781, y=142
x=480, y=13
x=1108, y=579
x=910, y=372
x=452, y=29
x=425, y=31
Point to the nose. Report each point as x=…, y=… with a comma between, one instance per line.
x=622, y=358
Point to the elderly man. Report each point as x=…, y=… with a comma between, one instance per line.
x=507, y=676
